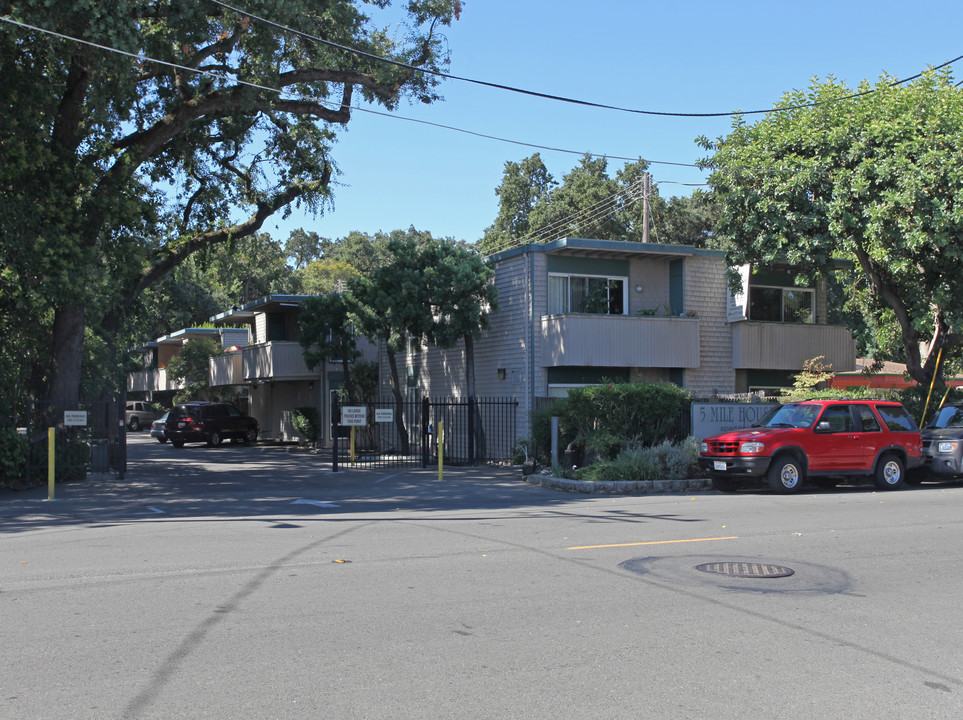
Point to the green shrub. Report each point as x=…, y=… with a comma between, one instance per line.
x=13, y=457
x=674, y=461
x=622, y=469
x=642, y=412
x=305, y=421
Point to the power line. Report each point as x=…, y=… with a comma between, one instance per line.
x=561, y=98
x=141, y=57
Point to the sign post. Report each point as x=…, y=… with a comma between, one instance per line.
x=354, y=416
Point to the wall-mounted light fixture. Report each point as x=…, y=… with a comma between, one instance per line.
x=638, y=288
x=502, y=373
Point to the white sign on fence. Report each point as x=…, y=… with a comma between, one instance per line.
x=354, y=415
x=714, y=418
x=384, y=415
x=76, y=418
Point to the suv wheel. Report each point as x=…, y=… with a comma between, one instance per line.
x=250, y=437
x=134, y=424
x=890, y=473
x=786, y=474
x=213, y=439
x=177, y=443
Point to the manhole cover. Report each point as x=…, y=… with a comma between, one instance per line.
x=746, y=569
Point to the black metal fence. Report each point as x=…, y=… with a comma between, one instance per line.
x=387, y=433
x=89, y=436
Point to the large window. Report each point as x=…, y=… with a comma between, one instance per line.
x=782, y=304
x=586, y=294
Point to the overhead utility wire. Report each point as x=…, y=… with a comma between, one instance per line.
x=141, y=57
x=562, y=98
x=334, y=105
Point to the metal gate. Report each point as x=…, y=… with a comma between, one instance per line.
x=386, y=433
x=89, y=436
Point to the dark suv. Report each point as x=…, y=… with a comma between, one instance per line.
x=818, y=439
x=209, y=422
x=943, y=444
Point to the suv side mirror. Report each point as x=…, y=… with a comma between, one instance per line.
x=824, y=427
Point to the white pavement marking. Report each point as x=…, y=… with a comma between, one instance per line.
x=319, y=503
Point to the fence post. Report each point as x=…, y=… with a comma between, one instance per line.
x=335, y=431
x=51, y=461
x=425, y=434
x=471, y=430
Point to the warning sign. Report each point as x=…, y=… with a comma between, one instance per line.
x=354, y=415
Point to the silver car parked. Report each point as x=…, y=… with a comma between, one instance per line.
x=139, y=414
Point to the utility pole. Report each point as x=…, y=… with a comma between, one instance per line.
x=645, y=207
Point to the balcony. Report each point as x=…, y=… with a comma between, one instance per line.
x=620, y=341
x=227, y=369
x=786, y=346
x=275, y=361
x=141, y=381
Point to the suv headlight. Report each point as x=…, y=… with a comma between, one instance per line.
x=946, y=446
x=704, y=447
x=751, y=447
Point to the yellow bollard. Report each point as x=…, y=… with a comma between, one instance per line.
x=51, y=454
x=441, y=449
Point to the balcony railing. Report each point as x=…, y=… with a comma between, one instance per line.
x=227, y=369
x=786, y=346
x=620, y=341
x=141, y=381
x=275, y=361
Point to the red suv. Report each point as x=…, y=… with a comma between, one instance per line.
x=818, y=439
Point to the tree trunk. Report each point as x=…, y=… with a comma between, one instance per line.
x=470, y=364
x=345, y=366
x=67, y=356
x=404, y=444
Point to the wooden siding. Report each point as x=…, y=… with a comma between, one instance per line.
x=706, y=292
x=226, y=370
x=275, y=361
x=786, y=346
x=619, y=341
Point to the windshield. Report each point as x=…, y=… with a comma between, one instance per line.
x=792, y=415
x=948, y=417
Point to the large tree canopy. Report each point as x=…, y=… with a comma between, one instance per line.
x=116, y=168
x=876, y=179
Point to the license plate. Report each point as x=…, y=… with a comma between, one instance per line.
x=181, y=424
x=718, y=465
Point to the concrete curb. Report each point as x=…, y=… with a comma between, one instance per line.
x=643, y=487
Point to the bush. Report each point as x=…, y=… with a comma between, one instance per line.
x=675, y=461
x=622, y=469
x=305, y=421
x=13, y=457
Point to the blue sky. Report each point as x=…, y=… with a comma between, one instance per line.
x=693, y=57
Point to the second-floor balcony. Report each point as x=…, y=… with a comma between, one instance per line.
x=787, y=346
x=275, y=361
x=141, y=381
x=620, y=341
x=227, y=369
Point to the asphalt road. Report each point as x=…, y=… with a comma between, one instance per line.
x=244, y=582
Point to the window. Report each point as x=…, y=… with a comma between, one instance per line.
x=866, y=417
x=897, y=418
x=839, y=418
x=782, y=304
x=594, y=295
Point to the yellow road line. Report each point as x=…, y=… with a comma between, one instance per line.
x=653, y=542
